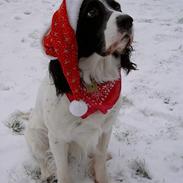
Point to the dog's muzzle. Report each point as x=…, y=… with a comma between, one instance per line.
x=124, y=36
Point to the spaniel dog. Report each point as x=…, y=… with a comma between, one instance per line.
x=104, y=36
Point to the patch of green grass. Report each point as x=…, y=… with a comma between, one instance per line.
x=16, y=122
x=16, y=126
x=140, y=169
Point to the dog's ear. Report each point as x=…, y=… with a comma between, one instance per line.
x=58, y=77
x=126, y=64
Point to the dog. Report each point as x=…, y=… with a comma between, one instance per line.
x=104, y=35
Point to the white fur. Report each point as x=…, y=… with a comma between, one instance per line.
x=100, y=69
x=73, y=7
x=53, y=128
x=112, y=34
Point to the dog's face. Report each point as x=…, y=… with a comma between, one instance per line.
x=102, y=28
x=104, y=31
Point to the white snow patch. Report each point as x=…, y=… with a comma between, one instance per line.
x=149, y=130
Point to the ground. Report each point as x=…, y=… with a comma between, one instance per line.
x=147, y=144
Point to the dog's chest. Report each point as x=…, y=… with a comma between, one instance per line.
x=63, y=125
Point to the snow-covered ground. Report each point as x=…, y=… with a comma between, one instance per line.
x=147, y=142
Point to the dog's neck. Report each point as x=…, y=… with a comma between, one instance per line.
x=100, y=69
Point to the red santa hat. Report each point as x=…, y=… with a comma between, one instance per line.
x=60, y=42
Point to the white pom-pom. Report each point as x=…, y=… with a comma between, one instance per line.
x=78, y=108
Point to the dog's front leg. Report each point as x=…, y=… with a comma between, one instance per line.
x=60, y=152
x=100, y=158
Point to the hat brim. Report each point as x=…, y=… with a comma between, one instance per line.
x=73, y=9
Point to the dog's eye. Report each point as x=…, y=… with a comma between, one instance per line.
x=92, y=13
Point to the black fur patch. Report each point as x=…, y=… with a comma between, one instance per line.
x=126, y=64
x=90, y=30
x=58, y=77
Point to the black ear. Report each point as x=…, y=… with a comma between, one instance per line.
x=126, y=64
x=58, y=77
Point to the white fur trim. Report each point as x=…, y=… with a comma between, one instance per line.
x=73, y=8
x=78, y=108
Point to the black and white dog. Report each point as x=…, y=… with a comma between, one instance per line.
x=104, y=35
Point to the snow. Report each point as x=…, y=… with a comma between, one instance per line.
x=147, y=142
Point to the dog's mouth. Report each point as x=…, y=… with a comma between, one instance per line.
x=122, y=42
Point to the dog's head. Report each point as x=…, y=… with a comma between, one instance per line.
x=104, y=30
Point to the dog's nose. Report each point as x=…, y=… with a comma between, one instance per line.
x=124, y=22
